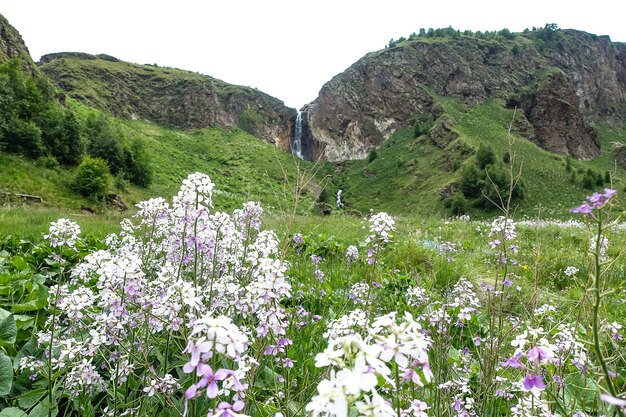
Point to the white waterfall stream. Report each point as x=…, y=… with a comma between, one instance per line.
x=296, y=142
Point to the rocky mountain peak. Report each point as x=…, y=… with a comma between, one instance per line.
x=386, y=90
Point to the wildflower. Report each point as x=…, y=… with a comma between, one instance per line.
x=417, y=408
x=374, y=406
x=330, y=400
x=609, y=399
x=532, y=381
x=503, y=227
x=352, y=254
x=63, y=232
x=614, y=328
x=228, y=410
x=594, y=201
x=538, y=354
x=210, y=379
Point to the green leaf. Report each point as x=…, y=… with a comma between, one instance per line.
x=12, y=412
x=23, y=322
x=4, y=280
x=32, y=305
x=31, y=398
x=19, y=263
x=6, y=375
x=41, y=410
x=8, y=331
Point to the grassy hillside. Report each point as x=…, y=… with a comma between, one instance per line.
x=408, y=172
x=167, y=96
x=243, y=168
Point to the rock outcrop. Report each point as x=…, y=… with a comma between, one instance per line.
x=170, y=97
x=385, y=90
x=12, y=47
x=554, y=112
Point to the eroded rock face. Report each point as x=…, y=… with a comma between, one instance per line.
x=553, y=110
x=170, y=97
x=360, y=108
x=12, y=46
x=385, y=90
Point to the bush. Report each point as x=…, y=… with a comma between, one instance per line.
x=457, y=204
x=472, y=180
x=105, y=142
x=49, y=162
x=423, y=123
x=589, y=180
x=137, y=163
x=485, y=156
x=372, y=155
x=92, y=178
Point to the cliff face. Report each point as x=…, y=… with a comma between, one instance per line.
x=385, y=90
x=12, y=46
x=169, y=97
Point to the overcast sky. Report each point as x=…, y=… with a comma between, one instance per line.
x=286, y=48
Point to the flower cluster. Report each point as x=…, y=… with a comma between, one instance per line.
x=210, y=337
x=352, y=254
x=361, y=364
x=381, y=231
x=530, y=360
x=63, y=232
x=594, y=202
x=177, y=274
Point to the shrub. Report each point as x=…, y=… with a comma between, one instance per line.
x=423, y=123
x=49, y=162
x=92, y=178
x=372, y=155
x=137, y=164
x=485, y=156
x=61, y=135
x=471, y=181
x=457, y=204
x=105, y=142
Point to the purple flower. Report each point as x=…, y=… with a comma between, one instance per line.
x=196, y=349
x=533, y=381
x=582, y=209
x=513, y=363
x=597, y=200
x=537, y=354
x=229, y=410
x=609, y=399
x=494, y=243
x=210, y=379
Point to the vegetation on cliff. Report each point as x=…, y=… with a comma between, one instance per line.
x=170, y=97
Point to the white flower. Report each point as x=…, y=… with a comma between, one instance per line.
x=63, y=232
x=374, y=406
x=357, y=380
x=330, y=399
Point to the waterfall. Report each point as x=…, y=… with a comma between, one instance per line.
x=296, y=141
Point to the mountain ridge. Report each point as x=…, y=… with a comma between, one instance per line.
x=383, y=91
x=171, y=97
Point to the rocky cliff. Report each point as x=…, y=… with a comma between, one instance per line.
x=12, y=47
x=167, y=96
x=563, y=80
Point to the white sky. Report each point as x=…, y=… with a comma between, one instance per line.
x=286, y=48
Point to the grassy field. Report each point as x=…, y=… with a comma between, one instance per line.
x=420, y=312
